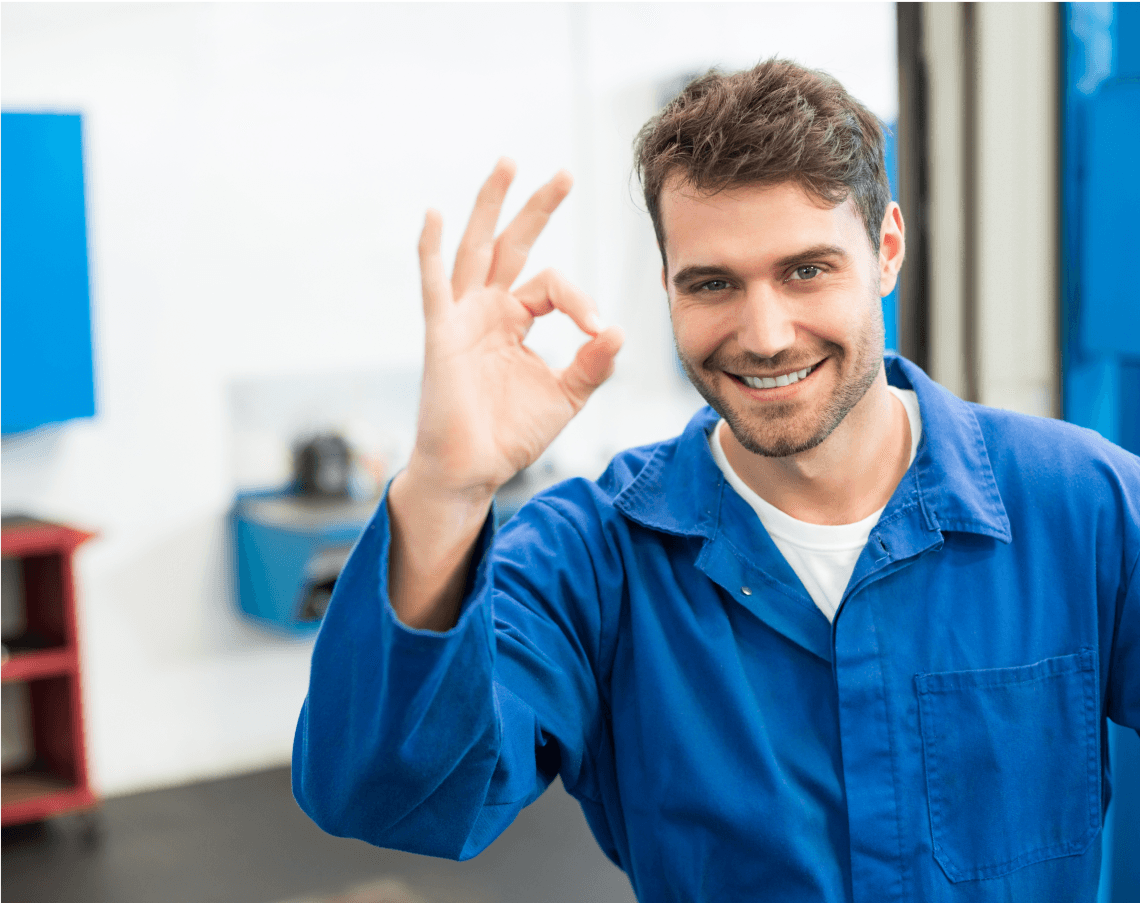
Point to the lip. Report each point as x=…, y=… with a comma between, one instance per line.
x=778, y=393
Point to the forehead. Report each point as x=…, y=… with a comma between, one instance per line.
x=757, y=222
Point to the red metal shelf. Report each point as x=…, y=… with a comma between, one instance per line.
x=33, y=794
x=40, y=663
x=24, y=537
x=45, y=658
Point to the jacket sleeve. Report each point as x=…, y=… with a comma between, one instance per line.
x=433, y=742
x=1123, y=698
x=1124, y=673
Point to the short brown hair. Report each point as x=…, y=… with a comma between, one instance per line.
x=773, y=123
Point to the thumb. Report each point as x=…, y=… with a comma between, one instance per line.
x=592, y=366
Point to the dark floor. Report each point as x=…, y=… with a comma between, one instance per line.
x=243, y=840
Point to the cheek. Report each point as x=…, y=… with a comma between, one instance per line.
x=843, y=316
x=696, y=336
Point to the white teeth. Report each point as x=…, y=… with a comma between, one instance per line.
x=768, y=382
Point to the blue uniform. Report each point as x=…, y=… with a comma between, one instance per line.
x=641, y=636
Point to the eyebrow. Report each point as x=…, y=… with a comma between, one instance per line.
x=688, y=274
x=816, y=252
x=808, y=254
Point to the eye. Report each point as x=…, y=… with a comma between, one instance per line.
x=713, y=285
x=805, y=273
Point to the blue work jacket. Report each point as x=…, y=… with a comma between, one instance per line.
x=641, y=636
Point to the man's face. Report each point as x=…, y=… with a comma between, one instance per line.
x=764, y=284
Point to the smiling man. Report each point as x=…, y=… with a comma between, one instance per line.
x=846, y=638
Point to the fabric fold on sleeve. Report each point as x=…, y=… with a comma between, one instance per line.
x=433, y=742
x=398, y=735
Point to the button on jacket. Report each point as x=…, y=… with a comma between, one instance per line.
x=642, y=637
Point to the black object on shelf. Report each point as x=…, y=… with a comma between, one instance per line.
x=321, y=467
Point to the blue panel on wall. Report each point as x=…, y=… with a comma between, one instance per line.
x=1110, y=318
x=891, y=301
x=46, y=329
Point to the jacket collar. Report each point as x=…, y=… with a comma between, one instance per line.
x=680, y=488
x=954, y=478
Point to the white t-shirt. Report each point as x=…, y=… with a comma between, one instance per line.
x=823, y=556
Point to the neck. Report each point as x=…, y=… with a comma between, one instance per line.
x=847, y=477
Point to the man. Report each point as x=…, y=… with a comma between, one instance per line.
x=845, y=638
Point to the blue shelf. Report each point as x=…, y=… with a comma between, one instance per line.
x=289, y=550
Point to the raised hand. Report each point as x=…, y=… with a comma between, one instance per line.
x=489, y=406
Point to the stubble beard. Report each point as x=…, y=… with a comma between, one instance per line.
x=784, y=430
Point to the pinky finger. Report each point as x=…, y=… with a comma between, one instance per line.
x=433, y=278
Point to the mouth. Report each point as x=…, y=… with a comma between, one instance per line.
x=778, y=381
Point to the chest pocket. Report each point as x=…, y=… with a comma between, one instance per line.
x=1012, y=764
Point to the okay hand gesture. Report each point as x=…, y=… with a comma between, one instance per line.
x=489, y=405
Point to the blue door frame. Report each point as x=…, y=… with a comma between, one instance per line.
x=1100, y=307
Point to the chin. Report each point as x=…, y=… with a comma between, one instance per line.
x=774, y=440
x=769, y=446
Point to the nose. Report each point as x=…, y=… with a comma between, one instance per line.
x=766, y=326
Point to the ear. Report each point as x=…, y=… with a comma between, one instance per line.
x=892, y=248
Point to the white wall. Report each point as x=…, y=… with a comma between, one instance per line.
x=256, y=179
x=1014, y=347
x=1017, y=165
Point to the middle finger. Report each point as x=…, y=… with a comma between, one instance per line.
x=476, y=248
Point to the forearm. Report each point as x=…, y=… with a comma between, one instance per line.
x=434, y=534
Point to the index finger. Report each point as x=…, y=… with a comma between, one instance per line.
x=513, y=246
x=549, y=291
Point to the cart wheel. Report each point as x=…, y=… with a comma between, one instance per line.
x=91, y=830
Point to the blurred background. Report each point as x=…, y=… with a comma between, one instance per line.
x=212, y=337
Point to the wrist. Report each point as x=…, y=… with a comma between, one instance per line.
x=434, y=535
x=428, y=507
x=439, y=488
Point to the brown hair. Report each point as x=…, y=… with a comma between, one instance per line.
x=773, y=123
